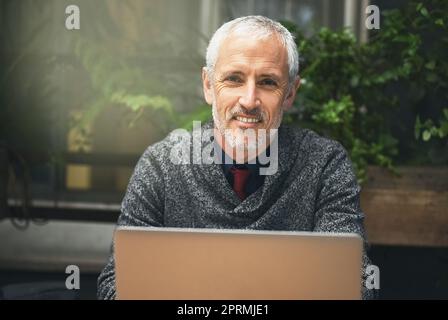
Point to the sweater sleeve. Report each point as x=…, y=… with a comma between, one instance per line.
x=141, y=206
x=338, y=205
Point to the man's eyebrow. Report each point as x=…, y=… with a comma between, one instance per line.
x=270, y=75
x=232, y=72
x=263, y=75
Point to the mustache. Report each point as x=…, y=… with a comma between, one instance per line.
x=239, y=110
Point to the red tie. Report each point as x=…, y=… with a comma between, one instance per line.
x=239, y=181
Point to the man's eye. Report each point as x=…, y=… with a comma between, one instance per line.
x=268, y=82
x=234, y=79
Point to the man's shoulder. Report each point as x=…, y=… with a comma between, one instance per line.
x=160, y=153
x=322, y=155
x=307, y=141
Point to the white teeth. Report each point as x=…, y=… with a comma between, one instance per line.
x=247, y=120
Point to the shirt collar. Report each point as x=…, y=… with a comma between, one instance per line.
x=228, y=162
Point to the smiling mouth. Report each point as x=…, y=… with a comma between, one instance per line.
x=247, y=120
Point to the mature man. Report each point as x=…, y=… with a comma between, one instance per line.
x=250, y=79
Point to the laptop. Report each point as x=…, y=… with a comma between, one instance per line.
x=216, y=264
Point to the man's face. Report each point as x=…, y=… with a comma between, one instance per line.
x=249, y=88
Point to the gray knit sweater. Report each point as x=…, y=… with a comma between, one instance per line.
x=314, y=189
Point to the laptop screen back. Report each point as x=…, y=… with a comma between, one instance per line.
x=190, y=264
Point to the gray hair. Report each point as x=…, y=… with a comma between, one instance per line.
x=258, y=27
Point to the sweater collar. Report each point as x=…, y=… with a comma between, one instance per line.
x=214, y=177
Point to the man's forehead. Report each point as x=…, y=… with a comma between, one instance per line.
x=237, y=51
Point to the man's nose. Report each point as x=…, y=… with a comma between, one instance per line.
x=249, y=98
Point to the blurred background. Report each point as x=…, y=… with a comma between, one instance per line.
x=78, y=108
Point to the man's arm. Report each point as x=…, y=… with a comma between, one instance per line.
x=141, y=206
x=338, y=204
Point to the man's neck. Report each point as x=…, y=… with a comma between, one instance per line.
x=238, y=155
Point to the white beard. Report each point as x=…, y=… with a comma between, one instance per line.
x=237, y=138
x=234, y=138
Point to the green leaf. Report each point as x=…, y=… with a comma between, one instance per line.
x=417, y=128
x=439, y=22
x=424, y=12
x=431, y=65
x=354, y=81
x=137, y=102
x=426, y=135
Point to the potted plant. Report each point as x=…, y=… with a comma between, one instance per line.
x=376, y=98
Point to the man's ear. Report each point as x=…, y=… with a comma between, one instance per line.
x=207, y=86
x=291, y=94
